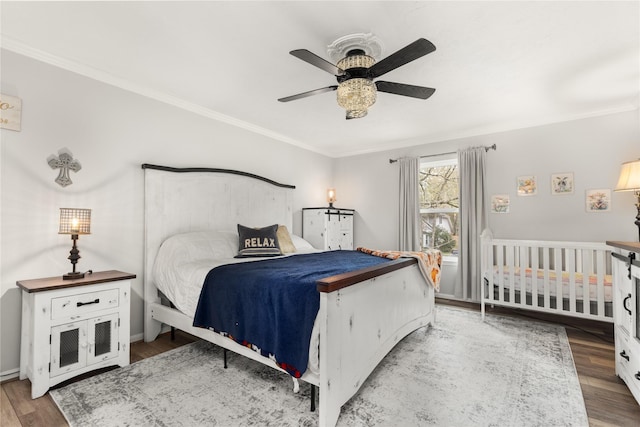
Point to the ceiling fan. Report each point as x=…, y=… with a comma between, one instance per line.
x=356, y=71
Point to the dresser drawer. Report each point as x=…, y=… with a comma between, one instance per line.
x=75, y=305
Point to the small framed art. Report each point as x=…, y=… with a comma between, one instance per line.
x=500, y=203
x=527, y=185
x=10, y=112
x=562, y=183
x=598, y=200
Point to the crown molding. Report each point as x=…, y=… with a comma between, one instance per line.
x=96, y=74
x=483, y=131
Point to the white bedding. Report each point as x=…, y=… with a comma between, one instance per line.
x=184, y=260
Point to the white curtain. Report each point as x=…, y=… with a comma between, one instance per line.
x=473, y=219
x=410, y=224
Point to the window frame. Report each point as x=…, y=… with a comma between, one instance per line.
x=439, y=161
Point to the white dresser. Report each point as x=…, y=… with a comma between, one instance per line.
x=328, y=228
x=626, y=312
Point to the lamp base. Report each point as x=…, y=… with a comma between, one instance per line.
x=637, y=221
x=73, y=275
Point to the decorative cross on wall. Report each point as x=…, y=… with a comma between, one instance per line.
x=65, y=163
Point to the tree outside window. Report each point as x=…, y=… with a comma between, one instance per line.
x=439, y=205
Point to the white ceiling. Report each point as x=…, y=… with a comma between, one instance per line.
x=498, y=65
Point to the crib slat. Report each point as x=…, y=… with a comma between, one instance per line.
x=512, y=292
x=545, y=260
x=520, y=264
x=534, y=274
x=571, y=268
x=587, y=269
x=600, y=271
x=500, y=262
x=558, y=263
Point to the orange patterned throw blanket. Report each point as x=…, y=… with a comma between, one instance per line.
x=428, y=261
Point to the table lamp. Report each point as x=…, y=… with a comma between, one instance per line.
x=75, y=222
x=630, y=181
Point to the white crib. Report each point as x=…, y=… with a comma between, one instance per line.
x=567, y=278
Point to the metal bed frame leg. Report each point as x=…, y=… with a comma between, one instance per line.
x=173, y=329
x=314, y=390
x=225, y=357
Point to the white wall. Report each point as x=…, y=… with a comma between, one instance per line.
x=111, y=132
x=592, y=149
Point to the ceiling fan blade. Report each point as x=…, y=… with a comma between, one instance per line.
x=315, y=60
x=405, y=90
x=405, y=55
x=309, y=93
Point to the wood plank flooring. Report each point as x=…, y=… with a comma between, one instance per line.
x=607, y=399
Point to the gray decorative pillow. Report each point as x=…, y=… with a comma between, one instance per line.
x=258, y=242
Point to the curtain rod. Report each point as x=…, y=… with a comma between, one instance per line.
x=490, y=147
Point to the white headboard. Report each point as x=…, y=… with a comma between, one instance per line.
x=178, y=200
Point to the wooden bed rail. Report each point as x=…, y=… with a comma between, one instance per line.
x=339, y=281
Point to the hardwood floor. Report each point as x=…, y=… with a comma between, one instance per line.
x=607, y=399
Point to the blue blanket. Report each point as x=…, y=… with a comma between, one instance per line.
x=272, y=304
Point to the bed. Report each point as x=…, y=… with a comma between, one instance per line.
x=567, y=278
x=358, y=321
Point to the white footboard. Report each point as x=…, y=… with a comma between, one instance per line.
x=360, y=324
x=567, y=278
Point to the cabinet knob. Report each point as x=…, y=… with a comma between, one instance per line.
x=637, y=375
x=624, y=355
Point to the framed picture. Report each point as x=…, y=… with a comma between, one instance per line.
x=10, y=112
x=562, y=183
x=527, y=185
x=500, y=203
x=598, y=200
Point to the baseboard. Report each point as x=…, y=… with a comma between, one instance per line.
x=9, y=375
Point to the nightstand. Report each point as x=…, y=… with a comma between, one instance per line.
x=70, y=327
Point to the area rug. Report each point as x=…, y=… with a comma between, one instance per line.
x=459, y=372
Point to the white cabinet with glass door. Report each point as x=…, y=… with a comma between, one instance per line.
x=73, y=326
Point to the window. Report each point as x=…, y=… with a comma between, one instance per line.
x=439, y=205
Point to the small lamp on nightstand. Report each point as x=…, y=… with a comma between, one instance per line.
x=331, y=196
x=75, y=222
x=630, y=181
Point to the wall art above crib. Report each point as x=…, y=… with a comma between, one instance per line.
x=562, y=183
x=598, y=200
x=527, y=185
x=500, y=203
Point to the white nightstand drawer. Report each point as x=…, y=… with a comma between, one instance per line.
x=74, y=305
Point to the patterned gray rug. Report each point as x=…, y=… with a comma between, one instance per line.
x=460, y=372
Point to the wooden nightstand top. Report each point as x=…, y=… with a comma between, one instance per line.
x=629, y=246
x=51, y=283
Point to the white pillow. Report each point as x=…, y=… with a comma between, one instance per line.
x=301, y=244
x=200, y=245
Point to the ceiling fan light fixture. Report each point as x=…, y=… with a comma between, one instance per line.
x=357, y=68
x=356, y=96
x=356, y=61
